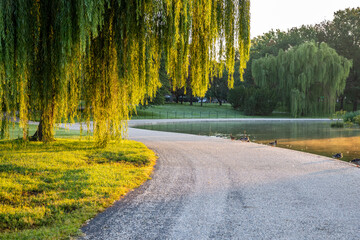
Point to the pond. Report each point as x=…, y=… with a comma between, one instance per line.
x=314, y=136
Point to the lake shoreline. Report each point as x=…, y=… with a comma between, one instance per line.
x=137, y=122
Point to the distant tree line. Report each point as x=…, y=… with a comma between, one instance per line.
x=342, y=34
x=281, y=56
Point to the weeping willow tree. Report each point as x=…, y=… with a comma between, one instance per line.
x=106, y=54
x=310, y=77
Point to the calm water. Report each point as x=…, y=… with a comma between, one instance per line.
x=300, y=135
x=260, y=130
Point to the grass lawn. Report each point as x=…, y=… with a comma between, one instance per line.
x=177, y=110
x=47, y=191
x=16, y=132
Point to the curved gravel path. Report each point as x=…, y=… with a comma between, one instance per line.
x=213, y=188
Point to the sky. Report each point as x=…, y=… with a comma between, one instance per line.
x=285, y=14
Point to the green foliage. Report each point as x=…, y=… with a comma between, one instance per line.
x=310, y=77
x=342, y=34
x=357, y=119
x=337, y=116
x=49, y=190
x=237, y=97
x=337, y=125
x=351, y=117
x=260, y=102
x=253, y=101
x=107, y=54
x=297, y=102
x=159, y=99
x=218, y=89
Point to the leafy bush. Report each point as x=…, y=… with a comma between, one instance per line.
x=260, y=102
x=253, y=101
x=351, y=116
x=357, y=119
x=337, y=116
x=237, y=96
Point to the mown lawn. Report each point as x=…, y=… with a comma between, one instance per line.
x=208, y=110
x=47, y=191
x=185, y=110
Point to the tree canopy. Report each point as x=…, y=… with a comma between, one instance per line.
x=106, y=53
x=341, y=34
x=310, y=77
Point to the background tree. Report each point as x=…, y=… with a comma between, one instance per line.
x=218, y=89
x=343, y=34
x=253, y=100
x=310, y=77
x=107, y=53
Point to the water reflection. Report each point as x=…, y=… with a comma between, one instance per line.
x=260, y=130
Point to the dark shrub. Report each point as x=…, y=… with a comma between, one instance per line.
x=253, y=101
x=260, y=102
x=237, y=96
x=337, y=125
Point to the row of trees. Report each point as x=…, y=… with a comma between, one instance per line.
x=310, y=77
x=341, y=34
x=106, y=53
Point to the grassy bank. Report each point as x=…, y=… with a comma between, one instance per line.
x=185, y=110
x=47, y=191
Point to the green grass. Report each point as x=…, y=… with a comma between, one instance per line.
x=16, y=132
x=47, y=191
x=177, y=110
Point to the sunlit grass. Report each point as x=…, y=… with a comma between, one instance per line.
x=47, y=191
x=16, y=132
x=349, y=146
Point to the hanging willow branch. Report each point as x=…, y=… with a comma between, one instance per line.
x=106, y=54
x=310, y=77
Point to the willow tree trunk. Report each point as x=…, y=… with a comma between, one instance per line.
x=45, y=130
x=4, y=128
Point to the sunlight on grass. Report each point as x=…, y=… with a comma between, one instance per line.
x=16, y=132
x=47, y=191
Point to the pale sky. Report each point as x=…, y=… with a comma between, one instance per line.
x=285, y=14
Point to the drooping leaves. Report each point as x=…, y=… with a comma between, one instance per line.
x=310, y=77
x=106, y=55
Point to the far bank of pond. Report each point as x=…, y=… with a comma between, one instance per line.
x=314, y=136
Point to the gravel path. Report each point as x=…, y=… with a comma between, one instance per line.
x=213, y=188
